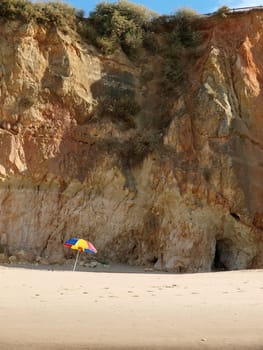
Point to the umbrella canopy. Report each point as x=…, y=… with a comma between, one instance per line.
x=81, y=245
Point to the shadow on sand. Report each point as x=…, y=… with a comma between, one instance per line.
x=100, y=268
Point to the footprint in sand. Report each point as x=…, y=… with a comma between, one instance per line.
x=84, y=292
x=171, y=286
x=194, y=293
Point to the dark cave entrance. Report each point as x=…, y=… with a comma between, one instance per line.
x=235, y=216
x=223, y=255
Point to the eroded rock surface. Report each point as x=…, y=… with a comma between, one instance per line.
x=187, y=198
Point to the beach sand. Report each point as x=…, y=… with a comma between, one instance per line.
x=120, y=307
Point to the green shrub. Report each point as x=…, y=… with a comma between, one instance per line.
x=137, y=148
x=120, y=110
x=133, y=151
x=184, y=34
x=123, y=23
x=104, y=11
x=80, y=14
x=87, y=30
x=223, y=11
x=173, y=71
x=182, y=40
x=186, y=13
x=12, y=9
x=173, y=74
x=57, y=13
x=106, y=45
x=150, y=42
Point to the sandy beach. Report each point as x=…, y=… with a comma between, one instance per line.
x=120, y=307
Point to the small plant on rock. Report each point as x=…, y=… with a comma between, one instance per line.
x=223, y=11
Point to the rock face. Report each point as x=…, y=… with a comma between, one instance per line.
x=186, y=199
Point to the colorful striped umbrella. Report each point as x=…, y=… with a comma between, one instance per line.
x=81, y=245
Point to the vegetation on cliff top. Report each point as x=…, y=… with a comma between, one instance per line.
x=56, y=13
x=122, y=25
x=129, y=27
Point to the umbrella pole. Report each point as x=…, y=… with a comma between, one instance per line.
x=74, y=268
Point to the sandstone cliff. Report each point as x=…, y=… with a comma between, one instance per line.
x=176, y=184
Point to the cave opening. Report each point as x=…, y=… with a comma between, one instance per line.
x=222, y=255
x=153, y=260
x=235, y=216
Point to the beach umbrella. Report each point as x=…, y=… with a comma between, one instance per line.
x=81, y=245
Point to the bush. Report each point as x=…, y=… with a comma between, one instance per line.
x=150, y=42
x=172, y=70
x=60, y=14
x=87, y=30
x=184, y=33
x=223, y=11
x=56, y=13
x=173, y=73
x=104, y=12
x=181, y=42
x=106, y=45
x=12, y=9
x=122, y=23
x=119, y=110
x=186, y=13
x=135, y=150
